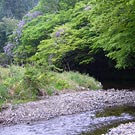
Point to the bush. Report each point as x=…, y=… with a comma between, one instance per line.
x=10, y=79
x=4, y=59
x=75, y=79
x=28, y=83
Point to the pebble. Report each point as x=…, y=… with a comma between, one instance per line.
x=64, y=104
x=123, y=129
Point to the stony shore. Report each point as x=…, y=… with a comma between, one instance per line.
x=123, y=129
x=65, y=104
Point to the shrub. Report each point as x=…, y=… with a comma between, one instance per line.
x=19, y=84
x=75, y=79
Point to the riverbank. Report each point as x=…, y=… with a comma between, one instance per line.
x=23, y=84
x=65, y=104
x=123, y=129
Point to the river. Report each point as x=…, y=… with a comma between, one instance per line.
x=86, y=123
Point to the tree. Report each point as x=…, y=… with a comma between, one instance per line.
x=114, y=23
x=37, y=30
x=53, y=6
x=83, y=28
x=66, y=40
x=7, y=25
x=16, y=8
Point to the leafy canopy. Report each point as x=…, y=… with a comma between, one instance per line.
x=78, y=31
x=114, y=21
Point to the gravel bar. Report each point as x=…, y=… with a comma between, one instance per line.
x=65, y=104
x=123, y=129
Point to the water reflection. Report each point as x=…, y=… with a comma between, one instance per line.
x=118, y=84
x=66, y=125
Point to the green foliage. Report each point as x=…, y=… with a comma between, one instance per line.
x=35, y=31
x=76, y=79
x=15, y=8
x=114, y=21
x=9, y=80
x=75, y=37
x=7, y=25
x=54, y=6
x=32, y=78
x=37, y=79
x=4, y=59
x=42, y=33
x=28, y=83
x=10, y=12
x=73, y=33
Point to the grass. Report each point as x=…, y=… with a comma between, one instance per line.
x=9, y=80
x=75, y=79
x=22, y=84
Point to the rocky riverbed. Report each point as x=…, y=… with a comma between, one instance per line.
x=64, y=104
x=84, y=123
x=123, y=129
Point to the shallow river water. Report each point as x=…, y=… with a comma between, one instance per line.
x=86, y=123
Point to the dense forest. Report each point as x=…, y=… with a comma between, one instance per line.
x=64, y=32
x=10, y=13
x=16, y=8
x=67, y=67
x=67, y=35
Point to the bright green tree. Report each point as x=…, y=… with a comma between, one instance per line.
x=114, y=23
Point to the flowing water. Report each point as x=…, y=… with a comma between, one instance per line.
x=86, y=123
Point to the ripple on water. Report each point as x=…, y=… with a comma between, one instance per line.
x=69, y=125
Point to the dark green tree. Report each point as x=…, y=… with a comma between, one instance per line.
x=16, y=8
x=7, y=25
